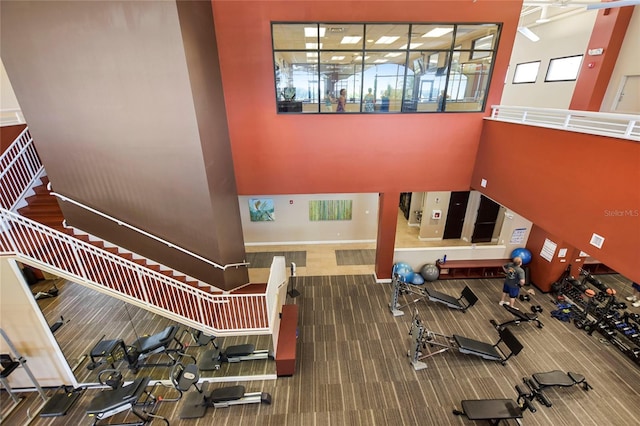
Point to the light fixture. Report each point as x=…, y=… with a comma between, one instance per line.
x=393, y=55
x=386, y=40
x=437, y=32
x=350, y=39
x=412, y=46
x=312, y=45
x=543, y=19
x=528, y=34
x=380, y=61
x=313, y=31
x=337, y=58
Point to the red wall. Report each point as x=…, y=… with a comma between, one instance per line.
x=289, y=154
x=569, y=184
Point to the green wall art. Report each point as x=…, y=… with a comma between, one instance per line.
x=330, y=210
x=261, y=210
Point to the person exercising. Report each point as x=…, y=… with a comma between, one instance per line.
x=513, y=281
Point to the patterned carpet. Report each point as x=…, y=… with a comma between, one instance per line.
x=356, y=257
x=264, y=259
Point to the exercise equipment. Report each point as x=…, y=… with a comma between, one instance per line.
x=52, y=292
x=61, y=402
x=10, y=364
x=496, y=410
x=417, y=279
x=523, y=254
x=466, y=300
x=430, y=272
x=133, y=397
x=520, y=317
x=197, y=338
x=556, y=378
x=404, y=271
x=212, y=359
x=110, y=351
x=196, y=403
x=424, y=339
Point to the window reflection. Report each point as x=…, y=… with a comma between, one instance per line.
x=382, y=68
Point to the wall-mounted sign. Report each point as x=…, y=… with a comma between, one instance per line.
x=548, y=250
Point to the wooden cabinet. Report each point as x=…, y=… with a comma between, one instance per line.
x=481, y=268
x=287, y=341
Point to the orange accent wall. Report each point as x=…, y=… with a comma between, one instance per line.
x=569, y=184
x=290, y=154
x=595, y=74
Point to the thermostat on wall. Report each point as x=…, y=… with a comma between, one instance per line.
x=436, y=214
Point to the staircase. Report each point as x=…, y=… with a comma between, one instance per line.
x=42, y=207
x=36, y=236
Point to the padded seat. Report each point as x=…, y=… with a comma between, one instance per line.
x=491, y=409
x=8, y=365
x=524, y=316
x=230, y=393
x=150, y=343
x=475, y=347
x=112, y=399
x=239, y=350
x=558, y=378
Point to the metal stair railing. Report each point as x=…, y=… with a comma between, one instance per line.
x=20, y=166
x=86, y=264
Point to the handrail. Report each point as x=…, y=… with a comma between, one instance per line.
x=623, y=126
x=20, y=166
x=86, y=264
x=145, y=233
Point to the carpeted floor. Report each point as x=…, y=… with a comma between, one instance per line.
x=356, y=257
x=264, y=259
x=353, y=368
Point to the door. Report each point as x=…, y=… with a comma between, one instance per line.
x=405, y=204
x=628, y=100
x=486, y=220
x=455, y=215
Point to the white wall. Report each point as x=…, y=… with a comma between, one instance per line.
x=23, y=322
x=558, y=38
x=7, y=96
x=628, y=63
x=292, y=224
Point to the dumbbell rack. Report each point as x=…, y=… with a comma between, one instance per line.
x=623, y=331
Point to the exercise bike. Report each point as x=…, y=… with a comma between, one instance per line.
x=197, y=403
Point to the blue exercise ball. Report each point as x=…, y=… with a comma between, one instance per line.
x=523, y=254
x=417, y=279
x=404, y=271
x=430, y=272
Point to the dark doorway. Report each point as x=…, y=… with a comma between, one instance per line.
x=405, y=203
x=486, y=220
x=455, y=215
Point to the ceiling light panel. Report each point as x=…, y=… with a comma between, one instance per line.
x=350, y=39
x=438, y=32
x=313, y=31
x=386, y=40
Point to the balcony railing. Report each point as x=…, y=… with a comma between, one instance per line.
x=622, y=126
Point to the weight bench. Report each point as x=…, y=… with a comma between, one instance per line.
x=141, y=349
x=520, y=316
x=425, y=340
x=60, y=403
x=466, y=300
x=556, y=378
x=496, y=410
x=128, y=397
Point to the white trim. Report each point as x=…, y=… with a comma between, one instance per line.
x=286, y=243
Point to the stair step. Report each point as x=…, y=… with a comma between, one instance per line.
x=39, y=199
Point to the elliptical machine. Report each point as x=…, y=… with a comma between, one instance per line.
x=196, y=403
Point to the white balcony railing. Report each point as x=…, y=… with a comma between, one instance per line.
x=20, y=166
x=11, y=117
x=622, y=126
